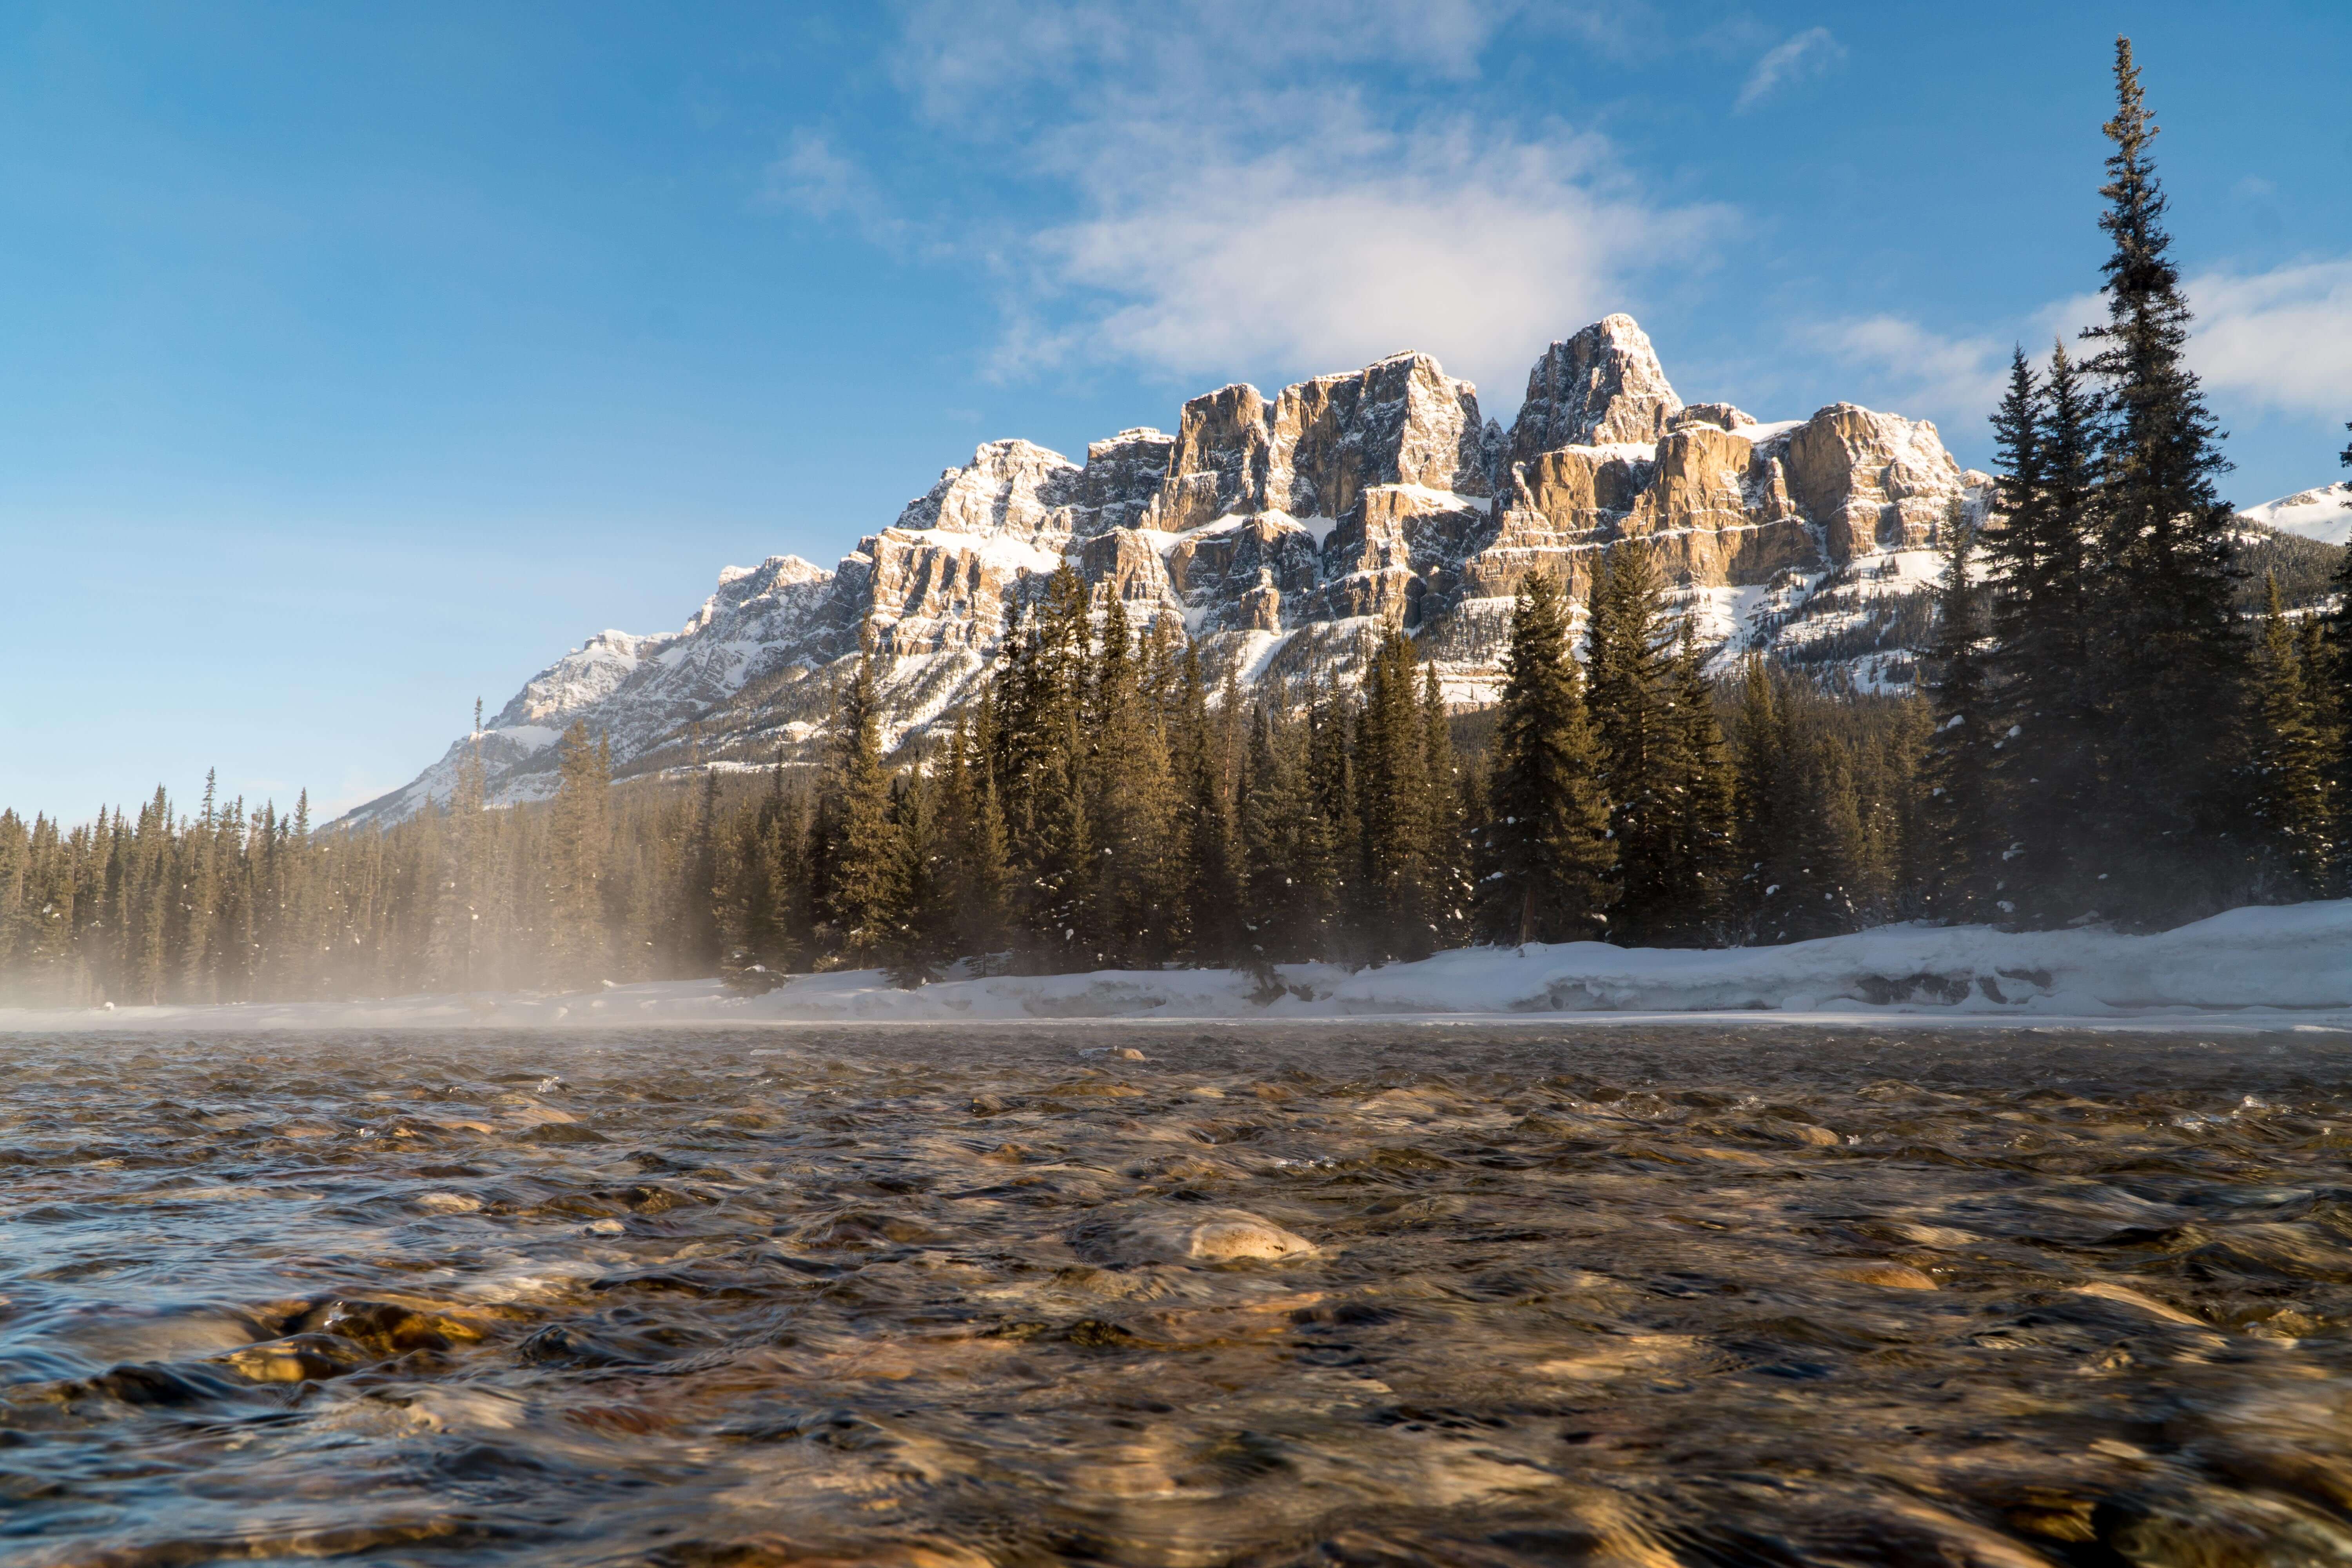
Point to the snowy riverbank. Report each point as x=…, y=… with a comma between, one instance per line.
x=2271, y=966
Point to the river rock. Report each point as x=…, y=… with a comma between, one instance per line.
x=384, y=1328
x=1890, y=1276
x=298, y=1358
x=1200, y=1235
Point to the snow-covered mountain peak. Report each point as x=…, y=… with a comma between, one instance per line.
x=1602, y=385
x=580, y=679
x=1012, y=488
x=1280, y=533
x=2324, y=514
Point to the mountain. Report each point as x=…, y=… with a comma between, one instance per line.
x=1277, y=534
x=2323, y=516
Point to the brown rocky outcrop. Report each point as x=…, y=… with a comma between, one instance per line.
x=1701, y=512
x=1871, y=481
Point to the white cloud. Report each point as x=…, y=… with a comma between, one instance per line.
x=971, y=60
x=1269, y=206
x=1808, y=54
x=2279, y=340
x=824, y=183
x=1321, y=258
x=1918, y=372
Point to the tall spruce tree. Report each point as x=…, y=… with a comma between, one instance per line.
x=1394, y=896
x=919, y=935
x=1668, y=853
x=972, y=830
x=1286, y=851
x=2039, y=666
x=1138, y=892
x=1759, y=756
x=1331, y=847
x=580, y=833
x=2289, y=787
x=863, y=901
x=2332, y=681
x=1448, y=857
x=1547, y=856
x=1966, y=852
x=1212, y=885
x=1703, y=862
x=2171, y=652
x=1044, y=772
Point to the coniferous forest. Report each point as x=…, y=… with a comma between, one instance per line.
x=2117, y=722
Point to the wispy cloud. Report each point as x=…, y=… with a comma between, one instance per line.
x=1270, y=206
x=1808, y=54
x=2279, y=340
x=1917, y=372
x=814, y=177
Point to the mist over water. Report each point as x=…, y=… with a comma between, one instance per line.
x=1177, y=1296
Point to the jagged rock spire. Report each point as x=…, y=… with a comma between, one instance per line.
x=1601, y=386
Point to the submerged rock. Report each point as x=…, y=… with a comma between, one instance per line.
x=295, y=1359
x=383, y=1327
x=1198, y=1236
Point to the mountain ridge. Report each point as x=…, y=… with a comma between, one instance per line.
x=1277, y=533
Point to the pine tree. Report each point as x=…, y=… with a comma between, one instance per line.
x=1330, y=866
x=1702, y=864
x=456, y=906
x=1760, y=758
x=578, y=835
x=1451, y=889
x=1547, y=855
x=2170, y=654
x=1665, y=866
x=920, y=931
x=1394, y=899
x=2039, y=666
x=2331, y=678
x=1286, y=895
x=862, y=891
x=1043, y=771
x=2290, y=789
x=696, y=894
x=972, y=830
x=1212, y=884
x=1132, y=810
x=1962, y=816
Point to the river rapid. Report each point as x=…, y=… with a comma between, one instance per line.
x=1319, y=1294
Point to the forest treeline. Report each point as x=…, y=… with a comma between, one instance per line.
x=1098, y=806
x=2100, y=732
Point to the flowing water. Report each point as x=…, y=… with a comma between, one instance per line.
x=1332, y=1294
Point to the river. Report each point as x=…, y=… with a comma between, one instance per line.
x=1169, y=1295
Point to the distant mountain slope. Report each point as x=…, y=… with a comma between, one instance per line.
x=2323, y=516
x=1280, y=533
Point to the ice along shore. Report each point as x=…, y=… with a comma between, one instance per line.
x=2273, y=966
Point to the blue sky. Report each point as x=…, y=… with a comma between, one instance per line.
x=356, y=360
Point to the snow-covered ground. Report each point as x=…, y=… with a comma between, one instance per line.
x=2270, y=968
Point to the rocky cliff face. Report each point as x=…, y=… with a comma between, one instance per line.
x=1280, y=533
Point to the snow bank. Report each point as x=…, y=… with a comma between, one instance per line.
x=2272, y=967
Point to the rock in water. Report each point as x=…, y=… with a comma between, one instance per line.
x=1887, y=1275
x=296, y=1359
x=1200, y=1235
